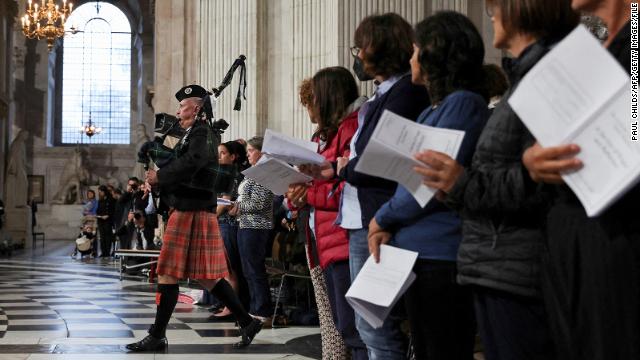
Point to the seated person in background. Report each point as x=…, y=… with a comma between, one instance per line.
x=86, y=240
x=142, y=229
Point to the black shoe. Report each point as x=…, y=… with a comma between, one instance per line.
x=248, y=333
x=216, y=308
x=149, y=343
x=226, y=318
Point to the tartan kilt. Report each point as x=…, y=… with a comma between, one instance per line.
x=192, y=247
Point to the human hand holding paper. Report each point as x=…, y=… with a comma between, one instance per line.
x=390, y=152
x=379, y=285
x=441, y=171
x=323, y=171
x=547, y=164
x=563, y=101
x=375, y=241
x=297, y=194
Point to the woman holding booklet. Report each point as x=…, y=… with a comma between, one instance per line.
x=592, y=287
x=503, y=211
x=383, y=47
x=331, y=99
x=231, y=153
x=448, y=56
x=254, y=210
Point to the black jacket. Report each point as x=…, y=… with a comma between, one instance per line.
x=148, y=233
x=187, y=183
x=405, y=99
x=502, y=209
x=106, y=206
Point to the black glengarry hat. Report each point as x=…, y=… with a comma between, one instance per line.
x=198, y=91
x=190, y=91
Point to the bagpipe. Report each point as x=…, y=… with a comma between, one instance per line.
x=167, y=132
x=159, y=151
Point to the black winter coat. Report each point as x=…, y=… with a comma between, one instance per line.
x=187, y=183
x=502, y=209
x=107, y=207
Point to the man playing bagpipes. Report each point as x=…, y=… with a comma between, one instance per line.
x=192, y=246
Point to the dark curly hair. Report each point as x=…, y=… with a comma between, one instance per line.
x=334, y=89
x=387, y=43
x=235, y=148
x=451, y=53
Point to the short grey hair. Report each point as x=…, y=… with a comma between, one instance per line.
x=256, y=142
x=198, y=101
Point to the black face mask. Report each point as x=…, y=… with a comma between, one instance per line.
x=358, y=69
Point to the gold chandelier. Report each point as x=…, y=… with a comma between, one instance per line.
x=89, y=128
x=45, y=21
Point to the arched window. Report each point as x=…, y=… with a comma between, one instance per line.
x=96, y=75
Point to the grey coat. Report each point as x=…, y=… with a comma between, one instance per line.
x=501, y=208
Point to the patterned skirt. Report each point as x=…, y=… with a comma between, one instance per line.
x=192, y=247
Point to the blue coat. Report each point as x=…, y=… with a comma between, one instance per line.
x=435, y=230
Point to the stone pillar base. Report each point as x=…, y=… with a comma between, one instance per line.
x=18, y=225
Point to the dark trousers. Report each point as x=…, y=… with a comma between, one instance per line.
x=591, y=281
x=106, y=237
x=512, y=326
x=252, y=247
x=440, y=312
x=338, y=279
x=229, y=234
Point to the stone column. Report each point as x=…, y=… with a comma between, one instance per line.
x=8, y=11
x=177, y=55
x=286, y=41
x=478, y=14
x=229, y=29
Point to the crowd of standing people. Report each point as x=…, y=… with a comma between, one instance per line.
x=505, y=249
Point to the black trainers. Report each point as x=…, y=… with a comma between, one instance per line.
x=248, y=333
x=149, y=343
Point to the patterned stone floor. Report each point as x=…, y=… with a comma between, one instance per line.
x=55, y=307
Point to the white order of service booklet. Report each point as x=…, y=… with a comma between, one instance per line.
x=291, y=150
x=275, y=174
x=394, y=142
x=378, y=287
x=578, y=93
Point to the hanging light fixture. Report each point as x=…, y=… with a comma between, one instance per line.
x=89, y=128
x=45, y=21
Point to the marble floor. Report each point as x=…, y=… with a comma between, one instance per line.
x=56, y=307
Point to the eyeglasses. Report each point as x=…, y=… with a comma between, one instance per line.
x=355, y=50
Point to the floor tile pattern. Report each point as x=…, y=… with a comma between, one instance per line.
x=55, y=307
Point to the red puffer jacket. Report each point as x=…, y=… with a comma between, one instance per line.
x=332, y=240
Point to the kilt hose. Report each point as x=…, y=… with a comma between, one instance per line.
x=192, y=247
